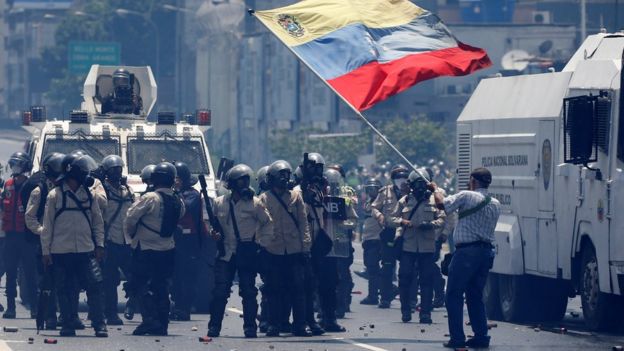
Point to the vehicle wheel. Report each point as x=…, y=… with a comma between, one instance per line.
x=598, y=307
x=514, y=298
x=492, y=298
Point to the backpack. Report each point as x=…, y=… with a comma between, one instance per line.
x=171, y=209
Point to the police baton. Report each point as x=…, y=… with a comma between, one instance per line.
x=214, y=221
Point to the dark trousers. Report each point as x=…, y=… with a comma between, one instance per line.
x=224, y=276
x=118, y=259
x=468, y=273
x=311, y=289
x=388, y=267
x=409, y=264
x=151, y=273
x=46, y=285
x=372, y=259
x=21, y=248
x=285, y=277
x=345, y=284
x=326, y=271
x=72, y=272
x=184, y=286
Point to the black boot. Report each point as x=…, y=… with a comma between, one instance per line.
x=10, y=310
x=332, y=326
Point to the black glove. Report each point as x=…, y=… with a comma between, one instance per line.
x=425, y=225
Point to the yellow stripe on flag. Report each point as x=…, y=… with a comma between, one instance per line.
x=311, y=19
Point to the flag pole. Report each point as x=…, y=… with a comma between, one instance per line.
x=357, y=112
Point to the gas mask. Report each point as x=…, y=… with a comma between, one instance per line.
x=114, y=175
x=241, y=186
x=399, y=182
x=334, y=189
x=17, y=170
x=372, y=193
x=420, y=191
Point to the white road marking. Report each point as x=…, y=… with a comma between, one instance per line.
x=235, y=310
x=359, y=344
x=4, y=346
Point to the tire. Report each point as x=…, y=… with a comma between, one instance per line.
x=491, y=298
x=598, y=307
x=515, y=302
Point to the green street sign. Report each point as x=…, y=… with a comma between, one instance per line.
x=83, y=54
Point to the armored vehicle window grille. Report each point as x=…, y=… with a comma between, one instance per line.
x=580, y=130
x=603, y=122
x=153, y=149
x=463, y=160
x=96, y=146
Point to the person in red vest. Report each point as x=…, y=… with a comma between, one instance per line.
x=20, y=244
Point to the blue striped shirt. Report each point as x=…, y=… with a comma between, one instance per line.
x=478, y=226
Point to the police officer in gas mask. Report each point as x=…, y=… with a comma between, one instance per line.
x=244, y=218
x=286, y=247
x=146, y=176
x=123, y=99
x=371, y=243
x=73, y=240
x=418, y=220
x=118, y=252
x=151, y=223
x=261, y=179
x=188, y=242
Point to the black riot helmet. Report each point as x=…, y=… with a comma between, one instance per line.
x=20, y=163
x=261, y=178
x=278, y=174
x=112, y=165
x=52, y=165
x=313, y=170
x=184, y=174
x=418, y=180
x=79, y=167
x=298, y=175
x=146, y=174
x=399, y=171
x=238, y=177
x=338, y=167
x=121, y=78
x=334, y=180
x=372, y=183
x=163, y=175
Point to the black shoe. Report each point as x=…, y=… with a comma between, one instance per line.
x=452, y=344
x=301, y=332
x=67, y=332
x=250, y=333
x=438, y=303
x=272, y=331
x=114, y=320
x=333, y=327
x=76, y=324
x=478, y=343
x=9, y=314
x=129, y=313
x=384, y=304
x=285, y=328
x=100, y=331
x=362, y=274
x=180, y=316
x=406, y=317
x=425, y=318
x=263, y=327
x=51, y=323
x=369, y=300
x=150, y=328
x=213, y=332
x=340, y=314
x=316, y=329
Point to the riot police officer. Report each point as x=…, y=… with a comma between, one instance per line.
x=261, y=178
x=382, y=209
x=123, y=99
x=146, y=175
x=243, y=218
x=417, y=220
x=52, y=169
x=20, y=243
x=371, y=243
x=73, y=240
x=151, y=223
x=188, y=242
x=118, y=252
x=286, y=247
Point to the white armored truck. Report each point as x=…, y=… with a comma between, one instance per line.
x=554, y=143
x=128, y=135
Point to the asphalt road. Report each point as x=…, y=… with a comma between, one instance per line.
x=368, y=328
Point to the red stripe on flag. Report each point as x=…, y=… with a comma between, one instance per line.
x=375, y=82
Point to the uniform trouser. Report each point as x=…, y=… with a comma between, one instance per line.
x=372, y=259
x=183, y=290
x=21, y=248
x=224, y=276
x=423, y=263
x=388, y=267
x=468, y=273
x=151, y=273
x=285, y=277
x=311, y=288
x=118, y=258
x=326, y=271
x=46, y=283
x=72, y=271
x=345, y=283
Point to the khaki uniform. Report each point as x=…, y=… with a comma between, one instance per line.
x=97, y=189
x=252, y=219
x=33, y=223
x=70, y=231
x=384, y=204
x=371, y=227
x=414, y=239
x=287, y=237
x=119, y=201
x=148, y=209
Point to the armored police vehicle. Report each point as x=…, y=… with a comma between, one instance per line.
x=113, y=121
x=554, y=143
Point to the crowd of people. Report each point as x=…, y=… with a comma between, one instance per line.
x=76, y=225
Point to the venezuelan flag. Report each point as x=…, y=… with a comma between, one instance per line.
x=369, y=50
